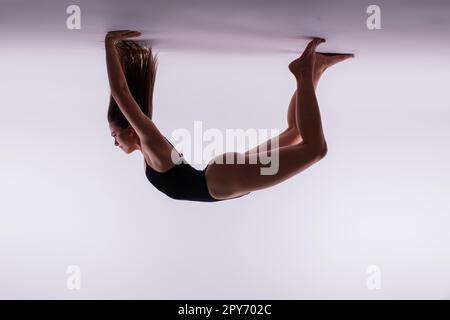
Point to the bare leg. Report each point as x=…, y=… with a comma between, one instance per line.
x=229, y=180
x=322, y=62
x=308, y=116
x=291, y=135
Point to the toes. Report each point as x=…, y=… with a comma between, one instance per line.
x=316, y=42
x=312, y=45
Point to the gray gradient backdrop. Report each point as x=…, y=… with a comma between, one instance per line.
x=380, y=197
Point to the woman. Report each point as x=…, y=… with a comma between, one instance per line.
x=131, y=72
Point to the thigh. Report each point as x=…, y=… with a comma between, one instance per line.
x=233, y=179
x=288, y=137
x=220, y=184
x=291, y=115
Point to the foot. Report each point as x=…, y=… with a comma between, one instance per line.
x=326, y=60
x=303, y=67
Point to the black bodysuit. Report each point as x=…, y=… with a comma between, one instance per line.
x=181, y=182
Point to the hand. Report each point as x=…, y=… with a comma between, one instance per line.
x=121, y=35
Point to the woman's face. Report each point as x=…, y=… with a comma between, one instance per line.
x=126, y=139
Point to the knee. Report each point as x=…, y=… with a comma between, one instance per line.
x=321, y=150
x=324, y=150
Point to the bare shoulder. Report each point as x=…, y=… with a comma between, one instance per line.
x=158, y=155
x=157, y=150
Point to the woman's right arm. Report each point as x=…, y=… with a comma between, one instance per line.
x=150, y=90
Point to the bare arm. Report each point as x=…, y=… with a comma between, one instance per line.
x=150, y=90
x=141, y=123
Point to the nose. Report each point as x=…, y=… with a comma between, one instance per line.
x=116, y=143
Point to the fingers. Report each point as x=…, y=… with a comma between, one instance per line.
x=123, y=34
x=132, y=33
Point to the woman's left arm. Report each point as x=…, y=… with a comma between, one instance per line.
x=141, y=123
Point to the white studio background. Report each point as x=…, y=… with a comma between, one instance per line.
x=69, y=197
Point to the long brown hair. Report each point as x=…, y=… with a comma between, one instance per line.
x=139, y=66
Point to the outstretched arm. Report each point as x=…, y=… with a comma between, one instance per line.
x=143, y=125
x=151, y=70
x=116, y=76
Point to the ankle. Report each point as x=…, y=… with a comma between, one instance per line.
x=305, y=78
